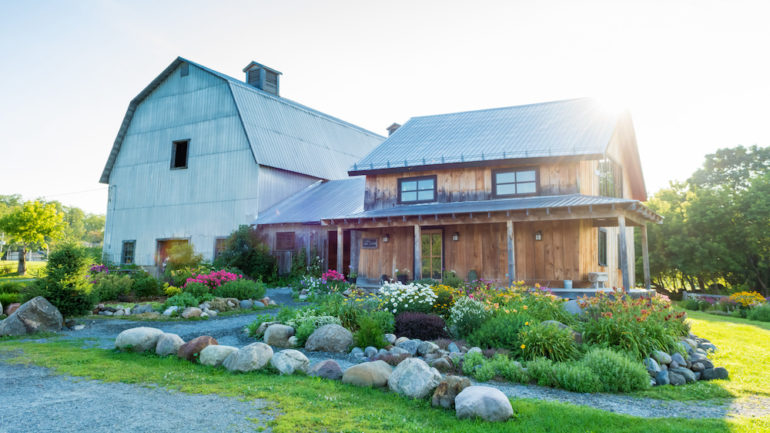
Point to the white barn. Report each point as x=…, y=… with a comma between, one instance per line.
x=200, y=153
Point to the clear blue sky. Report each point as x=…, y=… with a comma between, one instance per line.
x=695, y=74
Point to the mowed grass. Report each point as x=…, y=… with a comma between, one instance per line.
x=306, y=404
x=743, y=348
x=34, y=270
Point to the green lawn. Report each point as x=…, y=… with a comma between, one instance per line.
x=34, y=270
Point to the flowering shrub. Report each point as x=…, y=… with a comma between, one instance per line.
x=500, y=332
x=171, y=290
x=213, y=279
x=445, y=299
x=747, y=299
x=96, y=269
x=466, y=315
x=397, y=297
x=548, y=340
x=331, y=275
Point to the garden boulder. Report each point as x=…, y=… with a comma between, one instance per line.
x=263, y=327
x=328, y=369
x=414, y=378
x=484, y=402
x=214, y=355
x=141, y=309
x=139, y=339
x=168, y=344
x=410, y=346
x=36, y=315
x=714, y=373
x=192, y=348
x=11, y=308
x=249, y=358
x=330, y=338
x=288, y=361
x=191, y=312
x=447, y=391
x=688, y=375
x=661, y=357
x=368, y=374
x=278, y=335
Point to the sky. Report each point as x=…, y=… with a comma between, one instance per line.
x=694, y=74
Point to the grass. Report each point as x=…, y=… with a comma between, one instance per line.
x=34, y=270
x=307, y=404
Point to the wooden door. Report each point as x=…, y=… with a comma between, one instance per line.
x=432, y=254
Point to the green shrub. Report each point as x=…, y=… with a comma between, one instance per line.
x=285, y=314
x=246, y=251
x=550, y=341
x=182, y=255
x=65, y=284
x=616, y=371
x=690, y=304
x=369, y=333
x=471, y=361
x=760, y=313
x=109, y=287
x=541, y=370
x=452, y=280
x=145, y=285
x=304, y=331
x=542, y=306
x=241, y=289
x=500, y=332
x=11, y=287
x=384, y=320
x=483, y=369
x=576, y=377
x=182, y=300
x=197, y=290
x=466, y=316
x=10, y=298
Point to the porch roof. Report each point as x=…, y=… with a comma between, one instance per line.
x=525, y=204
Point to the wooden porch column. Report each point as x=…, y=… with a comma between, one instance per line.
x=355, y=245
x=623, y=251
x=645, y=258
x=511, y=254
x=417, y=252
x=340, y=250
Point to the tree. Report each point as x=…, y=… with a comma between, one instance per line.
x=33, y=224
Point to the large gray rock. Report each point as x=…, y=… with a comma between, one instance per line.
x=278, y=335
x=714, y=373
x=427, y=347
x=368, y=374
x=661, y=378
x=168, y=344
x=410, y=346
x=263, y=327
x=249, y=358
x=414, y=378
x=190, y=312
x=35, y=315
x=573, y=307
x=288, y=361
x=447, y=391
x=328, y=369
x=330, y=338
x=688, y=375
x=141, y=309
x=139, y=339
x=676, y=379
x=661, y=357
x=214, y=355
x=652, y=366
x=484, y=402
x=679, y=359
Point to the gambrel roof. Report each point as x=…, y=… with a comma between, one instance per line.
x=282, y=133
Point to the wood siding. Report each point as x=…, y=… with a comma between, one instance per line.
x=397, y=253
x=313, y=239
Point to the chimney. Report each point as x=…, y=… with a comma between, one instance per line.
x=392, y=128
x=262, y=77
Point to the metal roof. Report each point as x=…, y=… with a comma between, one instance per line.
x=322, y=200
x=522, y=203
x=574, y=127
x=282, y=133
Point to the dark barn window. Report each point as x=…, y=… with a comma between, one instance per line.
x=511, y=182
x=219, y=246
x=284, y=241
x=179, y=152
x=127, y=255
x=184, y=70
x=602, y=247
x=417, y=189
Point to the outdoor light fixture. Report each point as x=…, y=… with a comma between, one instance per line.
x=538, y=235
x=386, y=237
x=456, y=236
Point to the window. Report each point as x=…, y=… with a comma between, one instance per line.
x=284, y=241
x=417, y=189
x=184, y=70
x=219, y=246
x=179, y=151
x=602, y=247
x=127, y=255
x=610, y=179
x=515, y=182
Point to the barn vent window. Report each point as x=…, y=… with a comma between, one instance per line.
x=602, y=249
x=179, y=151
x=509, y=182
x=184, y=70
x=417, y=189
x=127, y=254
x=284, y=241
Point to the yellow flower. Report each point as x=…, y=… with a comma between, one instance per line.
x=525, y=307
x=523, y=346
x=526, y=324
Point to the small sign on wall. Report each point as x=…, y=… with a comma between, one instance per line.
x=369, y=243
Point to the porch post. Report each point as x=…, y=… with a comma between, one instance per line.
x=645, y=258
x=511, y=254
x=355, y=245
x=417, y=252
x=623, y=251
x=340, y=249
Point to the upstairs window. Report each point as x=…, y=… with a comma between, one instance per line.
x=602, y=247
x=127, y=254
x=610, y=178
x=518, y=182
x=417, y=189
x=179, y=151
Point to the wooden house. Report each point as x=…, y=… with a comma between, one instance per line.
x=200, y=153
x=546, y=193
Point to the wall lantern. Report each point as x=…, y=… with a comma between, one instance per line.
x=386, y=237
x=456, y=236
x=538, y=235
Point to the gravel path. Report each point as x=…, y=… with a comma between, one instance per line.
x=35, y=400
x=229, y=331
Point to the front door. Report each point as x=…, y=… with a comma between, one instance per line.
x=163, y=247
x=432, y=254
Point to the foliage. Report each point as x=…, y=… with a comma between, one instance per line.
x=760, y=313
x=445, y=299
x=66, y=285
x=541, y=371
x=251, y=328
x=420, y=325
x=747, y=299
x=181, y=300
x=369, y=333
x=11, y=286
x=145, y=285
x=617, y=372
x=213, y=279
x=549, y=341
x=32, y=224
x=482, y=369
x=452, y=280
x=466, y=315
x=110, y=287
x=182, y=255
x=10, y=298
x=171, y=290
x=246, y=251
x=399, y=297
x=197, y=290
x=241, y=289
x=501, y=332
x=576, y=377
x=384, y=319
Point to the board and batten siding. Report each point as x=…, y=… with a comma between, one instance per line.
x=216, y=192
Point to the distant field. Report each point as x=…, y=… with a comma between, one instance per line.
x=8, y=270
